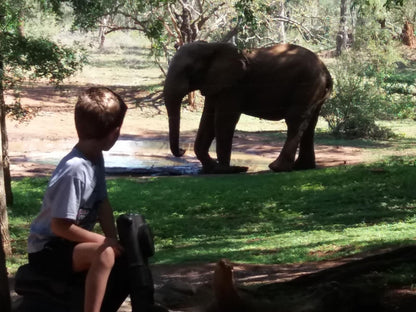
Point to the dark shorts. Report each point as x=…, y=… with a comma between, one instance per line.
x=55, y=259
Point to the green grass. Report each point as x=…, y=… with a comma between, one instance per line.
x=257, y=218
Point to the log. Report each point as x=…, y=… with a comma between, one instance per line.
x=347, y=287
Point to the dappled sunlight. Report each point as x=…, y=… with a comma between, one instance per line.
x=306, y=245
x=286, y=224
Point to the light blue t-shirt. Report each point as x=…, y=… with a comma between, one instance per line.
x=76, y=189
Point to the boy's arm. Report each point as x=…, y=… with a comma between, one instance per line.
x=106, y=219
x=68, y=230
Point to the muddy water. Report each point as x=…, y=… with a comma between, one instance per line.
x=152, y=157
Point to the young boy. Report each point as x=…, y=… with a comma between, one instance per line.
x=61, y=240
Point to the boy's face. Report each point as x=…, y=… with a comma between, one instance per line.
x=111, y=139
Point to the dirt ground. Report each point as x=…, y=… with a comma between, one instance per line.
x=51, y=129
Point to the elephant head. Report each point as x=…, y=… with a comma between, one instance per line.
x=196, y=66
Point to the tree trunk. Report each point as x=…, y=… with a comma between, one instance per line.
x=5, y=164
x=281, y=24
x=191, y=100
x=5, y=248
x=101, y=32
x=342, y=35
x=408, y=35
x=5, y=301
x=5, y=151
x=4, y=180
x=21, y=26
x=101, y=36
x=4, y=221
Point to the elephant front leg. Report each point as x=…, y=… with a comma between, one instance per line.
x=286, y=159
x=225, y=123
x=204, y=138
x=219, y=125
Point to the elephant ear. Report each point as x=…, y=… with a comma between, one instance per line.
x=226, y=68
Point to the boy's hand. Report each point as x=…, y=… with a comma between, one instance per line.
x=114, y=243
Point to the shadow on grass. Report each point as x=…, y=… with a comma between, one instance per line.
x=280, y=208
x=295, y=253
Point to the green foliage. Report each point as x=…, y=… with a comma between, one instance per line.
x=381, y=56
x=400, y=88
x=276, y=218
x=377, y=47
x=167, y=23
x=390, y=3
x=246, y=12
x=9, y=16
x=31, y=58
x=254, y=23
x=44, y=24
x=40, y=57
x=248, y=22
x=369, y=87
x=88, y=13
x=356, y=102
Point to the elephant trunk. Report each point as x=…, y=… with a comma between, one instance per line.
x=174, y=126
x=173, y=100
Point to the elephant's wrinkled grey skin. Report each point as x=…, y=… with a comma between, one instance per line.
x=279, y=82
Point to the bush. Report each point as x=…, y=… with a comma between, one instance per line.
x=361, y=127
x=361, y=97
x=382, y=60
x=368, y=87
x=356, y=101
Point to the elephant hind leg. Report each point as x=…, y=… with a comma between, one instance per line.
x=286, y=159
x=300, y=132
x=306, y=157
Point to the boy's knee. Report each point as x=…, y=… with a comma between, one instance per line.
x=106, y=257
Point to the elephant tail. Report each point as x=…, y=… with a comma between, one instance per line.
x=323, y=92
x=329, y=84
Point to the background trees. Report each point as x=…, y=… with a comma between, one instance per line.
x=369, y=49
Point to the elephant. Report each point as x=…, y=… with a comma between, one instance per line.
x=283, y=81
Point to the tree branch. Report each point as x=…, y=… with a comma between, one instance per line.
x=175, y=25
x=293, y=22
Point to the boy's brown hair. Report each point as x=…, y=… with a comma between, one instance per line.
x=97, y=112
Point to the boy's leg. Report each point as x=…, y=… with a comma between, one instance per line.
x=117, y=286
x=98, y=259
